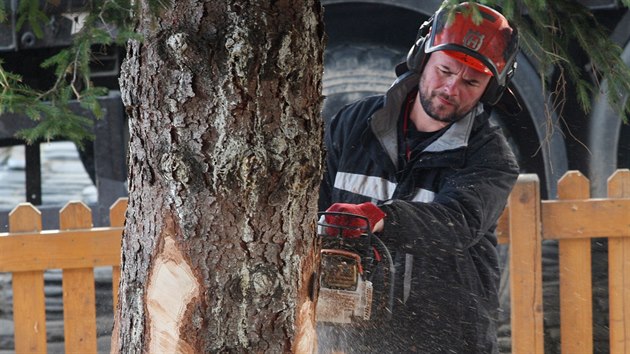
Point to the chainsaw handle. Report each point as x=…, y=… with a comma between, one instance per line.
x=321, y=223
x=346, y=254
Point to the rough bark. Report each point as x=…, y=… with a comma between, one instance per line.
x=225, y=158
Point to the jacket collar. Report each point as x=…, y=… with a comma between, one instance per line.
x=457, y=135
x=384, y=120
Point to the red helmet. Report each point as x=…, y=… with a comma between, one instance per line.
x=489, y=46
x=486, y=46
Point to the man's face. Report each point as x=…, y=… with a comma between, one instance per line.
x=449, y=89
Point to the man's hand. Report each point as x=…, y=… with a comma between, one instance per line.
x=354, y=225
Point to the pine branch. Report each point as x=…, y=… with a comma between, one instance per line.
x=3, y=12
x=109, y=22
x=548, y=34
x=31, y=13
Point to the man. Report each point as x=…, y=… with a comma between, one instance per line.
x=432, y=175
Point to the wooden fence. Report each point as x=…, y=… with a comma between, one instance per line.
x=573, y=219
x=76, y=248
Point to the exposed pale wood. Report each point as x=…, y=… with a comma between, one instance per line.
x=165, y=307
x=619, y=273
x=586, y=218
x=526, y=267
x=60, y=249
x=28, y=289
x=576, y=314
x=79, y=309
x=117, y=219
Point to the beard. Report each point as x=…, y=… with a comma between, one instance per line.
x=432, y=110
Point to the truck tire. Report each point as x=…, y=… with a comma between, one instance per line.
x=353, y=71
x=606, y=132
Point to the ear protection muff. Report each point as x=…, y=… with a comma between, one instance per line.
x=416, y=57
x=494, y=91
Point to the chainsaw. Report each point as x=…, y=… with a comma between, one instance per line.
x=347, y=270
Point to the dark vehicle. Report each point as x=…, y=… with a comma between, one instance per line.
x=22, y=51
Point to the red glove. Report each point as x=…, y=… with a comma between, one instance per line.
x=355, y=226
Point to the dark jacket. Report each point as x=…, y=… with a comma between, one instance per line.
x=442, y=208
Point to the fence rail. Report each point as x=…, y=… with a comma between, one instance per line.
x=573, y=219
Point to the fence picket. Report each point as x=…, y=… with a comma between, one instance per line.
x=526, y=266
x=619, y=272
x=117, y=219
x=29, y=306
x=576, y=296
x=79, y=314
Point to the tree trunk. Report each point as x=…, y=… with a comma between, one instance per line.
x=225, y=157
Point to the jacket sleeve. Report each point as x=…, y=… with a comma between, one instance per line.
x=465, y=209
x=344, y=134
x=332, y=140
